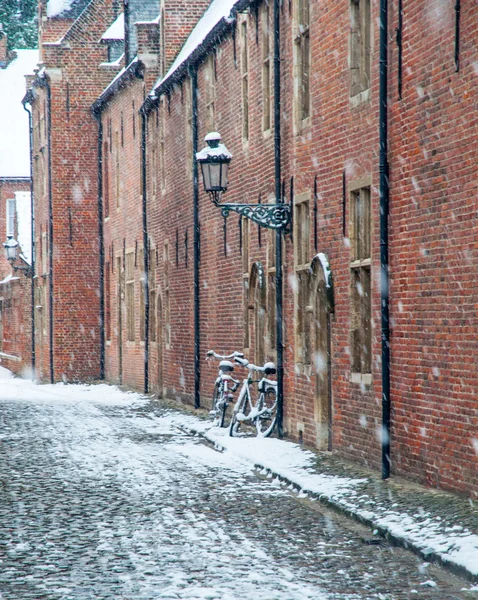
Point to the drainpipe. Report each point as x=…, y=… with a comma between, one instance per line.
x=144, y=133
x=279, y=234
x=101, y=242
x=32, y=205
x=50, y=232
x=197, y=241
x=384, y=266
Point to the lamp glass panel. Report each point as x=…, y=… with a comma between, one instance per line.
x=11, y=252
x=215, y=175
x=206, y=176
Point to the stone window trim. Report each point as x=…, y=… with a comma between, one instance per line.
x=244, y=71
x=166, y=294
x=267, y=69
x=360, y=265
x=210, y=80
x=302, y=306
x=302, y=105
x=360, y=51
x=129, y=291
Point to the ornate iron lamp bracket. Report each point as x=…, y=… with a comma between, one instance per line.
x=272, y=216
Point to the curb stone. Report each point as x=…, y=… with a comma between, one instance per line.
x=428, y=555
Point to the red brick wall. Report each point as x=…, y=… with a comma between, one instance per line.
x=76, y=79
x=433, y=312
x=434, y=250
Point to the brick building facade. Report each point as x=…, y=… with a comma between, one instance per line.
x=15, y=207
x=74, y=70
x=220, y=293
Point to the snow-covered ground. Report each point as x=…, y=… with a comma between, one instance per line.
x=108, y=497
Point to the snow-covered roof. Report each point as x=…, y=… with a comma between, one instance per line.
x=115, y=31
x=66, y=9
x=218, y=10
x=14, y=134
x=24, y=224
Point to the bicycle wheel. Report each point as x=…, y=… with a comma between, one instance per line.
x=266, y=412
x=237, y=418
x=218, y=405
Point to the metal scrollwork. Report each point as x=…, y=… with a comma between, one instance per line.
x=272, y=216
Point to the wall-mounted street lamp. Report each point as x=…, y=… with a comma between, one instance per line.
x=11, y=253
x=214, y=160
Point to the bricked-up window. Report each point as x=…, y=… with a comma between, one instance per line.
x=107, y=301
x=152, y=295
x=245, y=80
x=129, y=295
x=10, y=216
x=167, y=311
x=141, y=294
x=360, y=25
x=266, y=67
x=360, y=271
x=210, y=92
x=302, y=59
x=302, y=277
x=245, y=276
x=257, y=308
x=106, y=181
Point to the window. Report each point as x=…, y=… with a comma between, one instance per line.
x=271, y=291
x=11, y=217
x=167, y=312
x=152, y=295
x=210, y=89
x=257, y=306
x=266, y=68
x=360, y=271
x=189, y=128
x=141, y=295
x=302, y=60
x=162, y=146
x=302, y=275
x=106, y=182
x=162, y=40
x=107, y=323
x=117, y=169
x=245, y=81
x=129, y=294
x=360, y=25
x=245, y=276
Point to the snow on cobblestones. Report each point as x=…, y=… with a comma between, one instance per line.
x=290, y=461
x=107, y=497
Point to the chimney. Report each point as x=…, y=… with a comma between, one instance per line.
x=3, y=48
x=178, y=19
x=147, y=35
x=137, y=11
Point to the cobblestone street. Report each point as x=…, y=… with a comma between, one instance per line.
x=111, y=501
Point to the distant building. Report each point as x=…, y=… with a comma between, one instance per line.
x=15, y=205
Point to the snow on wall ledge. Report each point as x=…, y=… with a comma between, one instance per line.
x=56, y=7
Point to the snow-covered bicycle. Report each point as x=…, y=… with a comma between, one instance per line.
x=263, y=413
x=224, y=386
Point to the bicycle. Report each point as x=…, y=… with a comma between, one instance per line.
x=224, y=386
x=263, y=414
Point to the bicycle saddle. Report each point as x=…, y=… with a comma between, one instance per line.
x=270, y=368
x=226, y=366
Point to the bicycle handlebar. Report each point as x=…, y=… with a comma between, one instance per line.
x=220, y=357
x=245, y=363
